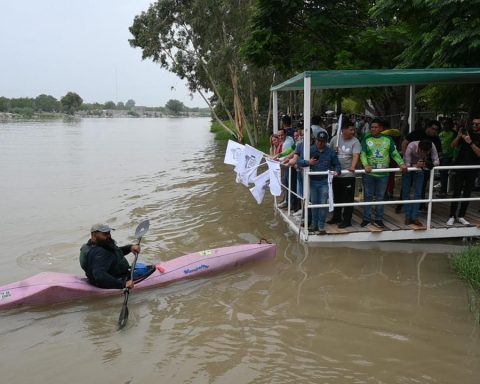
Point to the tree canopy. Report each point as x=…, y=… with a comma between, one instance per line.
x=71, y=102
x=175, y=107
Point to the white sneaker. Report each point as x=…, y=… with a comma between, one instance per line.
x=297, y=213
x=462, y=221
x=282, y=205
x=451, y=221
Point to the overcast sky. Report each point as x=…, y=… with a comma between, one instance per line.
x=57, y=46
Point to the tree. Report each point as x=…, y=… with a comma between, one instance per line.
x=440, y=34
x=47, y=103
x=120, y=105
x=130, y=104
x=175, y=106
x=110, y=105
x=200, y=41
x=4, y=104
x=71, y=102
x=300, y=35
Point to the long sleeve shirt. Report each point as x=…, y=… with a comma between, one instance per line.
x=327, y=161
x=413, y=154
x=377, y=151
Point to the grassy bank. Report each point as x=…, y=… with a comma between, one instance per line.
x=467, y=265
x=221, y=134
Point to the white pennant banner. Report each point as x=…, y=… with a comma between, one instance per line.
x=261, y=185
x=247, y=165
x=330, y=192
x=275, y=184
x=234, y=152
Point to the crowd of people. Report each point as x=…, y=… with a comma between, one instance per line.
x=370, y=143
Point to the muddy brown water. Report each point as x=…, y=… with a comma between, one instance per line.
x=352, y=313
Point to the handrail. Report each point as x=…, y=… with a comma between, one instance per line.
x=429, y=200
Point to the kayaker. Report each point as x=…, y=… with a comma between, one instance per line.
x=104, y=262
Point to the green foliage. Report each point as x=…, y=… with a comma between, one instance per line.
x=441, y=33
x=175, y=107
x=4, y=104
x=25, y=112
x=47, y=103
x=220, y=132
x=133, y=113
x=467, y=266
x=350, y=105
x=22, y=102
x=302, y=35
x=130, y=104
x=71, y=102
x=110, y=105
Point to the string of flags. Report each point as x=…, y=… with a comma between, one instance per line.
x=247, y=160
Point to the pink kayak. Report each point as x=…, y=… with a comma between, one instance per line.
x=53, y=287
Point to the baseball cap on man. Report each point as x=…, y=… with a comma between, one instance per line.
x=322, y=136
x=101, y=227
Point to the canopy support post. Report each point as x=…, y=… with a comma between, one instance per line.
x=307, y=111
x=411, y=108
x=275, y=112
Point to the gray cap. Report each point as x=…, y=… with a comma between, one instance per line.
x=101, y=227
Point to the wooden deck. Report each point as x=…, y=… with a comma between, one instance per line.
x=396, y=228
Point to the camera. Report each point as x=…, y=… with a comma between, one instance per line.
x=464, y=130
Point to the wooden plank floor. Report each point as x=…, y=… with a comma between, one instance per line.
x=396, y=221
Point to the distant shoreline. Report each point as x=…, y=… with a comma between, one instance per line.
x=105, y=114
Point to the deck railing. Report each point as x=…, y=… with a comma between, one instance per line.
x=428, y=200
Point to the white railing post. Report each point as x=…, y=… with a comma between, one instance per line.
x=289, y=195
x=307, y=100
x=430, y=196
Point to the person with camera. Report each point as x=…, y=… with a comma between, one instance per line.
x=418, y=154
x=468, y=144
x=430, y=133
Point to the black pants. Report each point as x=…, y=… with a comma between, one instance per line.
x=463, y=181
x=343, y=192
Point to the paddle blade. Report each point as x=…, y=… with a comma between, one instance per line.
x=122, y=319
x=142, y=229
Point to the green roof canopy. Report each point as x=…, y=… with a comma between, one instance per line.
x=380, y=78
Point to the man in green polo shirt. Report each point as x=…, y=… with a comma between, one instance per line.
x=377, y=150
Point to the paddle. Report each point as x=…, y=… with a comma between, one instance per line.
x=140, y=231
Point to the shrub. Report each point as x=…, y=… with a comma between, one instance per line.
x=467, y=265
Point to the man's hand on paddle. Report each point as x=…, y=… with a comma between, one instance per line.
x=135, y=248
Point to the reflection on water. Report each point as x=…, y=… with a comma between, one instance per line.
x=352, y=313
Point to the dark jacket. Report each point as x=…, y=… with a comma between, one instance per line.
x=466, y=155
x=327, y=161
x=105, y=267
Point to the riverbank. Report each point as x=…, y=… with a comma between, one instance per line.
x=9, y=117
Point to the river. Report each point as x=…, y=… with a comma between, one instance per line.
x=370, y=313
